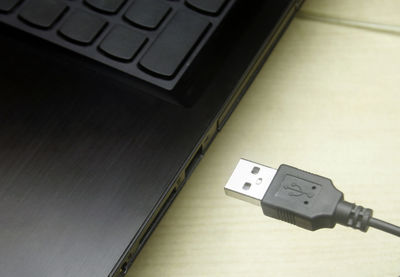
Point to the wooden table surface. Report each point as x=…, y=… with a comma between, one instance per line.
x=327, y=101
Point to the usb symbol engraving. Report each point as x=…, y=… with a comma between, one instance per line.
x=296, y=190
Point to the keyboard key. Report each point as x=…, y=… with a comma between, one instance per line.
x=108, y=6
x=174, y=44
x=7, y=5
x=122, y=43
x=147, y=13
x=82, y=27
x=42, y=13
x=207, y=6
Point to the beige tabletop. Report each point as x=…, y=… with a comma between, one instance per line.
x=327, y=101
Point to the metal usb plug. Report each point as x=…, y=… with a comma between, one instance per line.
x=249, y=181
x=299, y=197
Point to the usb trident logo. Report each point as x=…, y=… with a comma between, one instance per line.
x=296, y=190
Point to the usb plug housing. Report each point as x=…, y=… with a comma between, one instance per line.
x=298, y=197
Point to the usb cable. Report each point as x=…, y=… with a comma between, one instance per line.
x=299, y=197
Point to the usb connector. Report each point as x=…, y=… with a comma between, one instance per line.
x=249, y=181
x=299, y=197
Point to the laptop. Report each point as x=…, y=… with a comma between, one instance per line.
x=106, y=108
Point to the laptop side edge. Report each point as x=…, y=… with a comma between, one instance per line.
x=128, y=257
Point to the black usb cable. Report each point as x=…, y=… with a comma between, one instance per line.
x=299, y=197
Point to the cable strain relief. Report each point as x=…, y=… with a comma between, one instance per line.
x=349, y=214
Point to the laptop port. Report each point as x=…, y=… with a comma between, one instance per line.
x=124, y=268
x=195, y=160
x=157, y=217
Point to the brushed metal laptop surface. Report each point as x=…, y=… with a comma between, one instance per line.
x=84, y=165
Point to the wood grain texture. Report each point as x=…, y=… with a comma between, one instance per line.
x=377, y=11
x=326, y=101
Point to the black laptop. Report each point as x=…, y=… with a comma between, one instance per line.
x=106, y=107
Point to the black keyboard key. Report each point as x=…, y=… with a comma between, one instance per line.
x=122, y=43
x=207, y=6
x=7, y=5
x=147, y=13
x=174, y=44
x=108, y=6
x=82, y=27
x=176, y=34
x=42, y=13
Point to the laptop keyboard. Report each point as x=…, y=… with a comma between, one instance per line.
x=152, y=40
